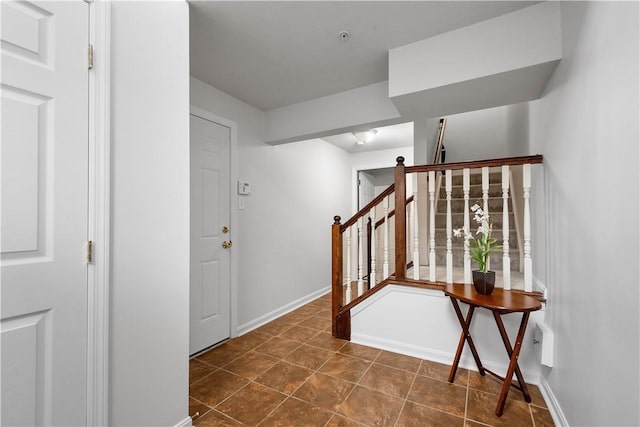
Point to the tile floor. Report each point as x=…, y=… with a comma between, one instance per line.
x=292, y=372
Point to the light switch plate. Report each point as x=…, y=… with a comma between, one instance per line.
x=244, y=188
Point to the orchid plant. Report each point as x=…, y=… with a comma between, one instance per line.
x=480, y=247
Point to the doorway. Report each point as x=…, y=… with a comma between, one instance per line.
x=211, y=231
x=372, y=182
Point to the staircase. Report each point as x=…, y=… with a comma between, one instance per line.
x=416, y=233
x=457, y=217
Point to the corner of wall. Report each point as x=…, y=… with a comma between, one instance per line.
x=552, y=402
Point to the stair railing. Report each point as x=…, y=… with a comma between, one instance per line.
x=372, y=240
x=439, y=153
x=352, y=244
x=495, y=189
x=342, y=243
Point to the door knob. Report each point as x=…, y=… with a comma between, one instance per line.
x=225, y=229
x=226, y=244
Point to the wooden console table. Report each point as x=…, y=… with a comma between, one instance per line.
x=499, y=302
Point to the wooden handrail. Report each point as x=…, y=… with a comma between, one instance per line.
x=511, y=161
x=391, y=281
x=437, y=158
x=368, y=207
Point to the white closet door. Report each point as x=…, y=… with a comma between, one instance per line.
x=44, y=152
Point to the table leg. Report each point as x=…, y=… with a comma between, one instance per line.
x=507, y=345
x=464, y=336
x=513, y=361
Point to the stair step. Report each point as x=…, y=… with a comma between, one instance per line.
x=457, y=221
x=457, y=205
x=441, y=235
x=475, y=177
x=475, y=192
x=495, y=258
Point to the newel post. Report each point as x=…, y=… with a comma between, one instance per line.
x=400, y=219
x=336, y=272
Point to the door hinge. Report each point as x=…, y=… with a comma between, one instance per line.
x=90, y=56
x=88, y=251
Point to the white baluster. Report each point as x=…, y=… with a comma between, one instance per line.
x=485, y=190
x=506, y=260
x=385, y=249
x=416, y=239
x=526, y=188
x=449, y=227
x=432, y=226
x=348, y=284
x=485, y=200
x=372, y=273
x=467, y=258
x=360, y=255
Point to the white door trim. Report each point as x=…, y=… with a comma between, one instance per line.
x=233, y=212
x=99, y=215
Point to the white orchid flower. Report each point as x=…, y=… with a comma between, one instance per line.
x=461, y=232
x=479, y=247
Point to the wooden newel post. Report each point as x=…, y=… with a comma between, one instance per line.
x=336, y=272
x=400, y=219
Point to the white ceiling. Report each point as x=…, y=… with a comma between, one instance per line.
x=272, y=54
x=388, y=137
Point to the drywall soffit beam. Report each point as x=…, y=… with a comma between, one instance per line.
x=496, y=62
x=364, y=107
x=507, y=88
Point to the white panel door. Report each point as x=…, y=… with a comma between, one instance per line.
x=210, y=315
x=365, y=189
x=44, y=166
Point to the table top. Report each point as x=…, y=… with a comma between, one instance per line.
x=501, y=300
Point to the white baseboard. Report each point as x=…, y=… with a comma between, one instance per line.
x=187, y=422
x=552, y=403
x=402, y=348
x=272, y=315
x=434, y=355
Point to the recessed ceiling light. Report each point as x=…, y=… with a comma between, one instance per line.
x=344, y=35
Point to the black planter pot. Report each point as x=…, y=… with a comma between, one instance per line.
x=484, y=282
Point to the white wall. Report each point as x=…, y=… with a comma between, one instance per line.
x=487, y=134
x=374, y=160
x=283, y=238
x=586, y=126
x=382, y=321
x=150, y=213
x=381, y=158
x=366, y=107
x=517, y=132
x=382, y=178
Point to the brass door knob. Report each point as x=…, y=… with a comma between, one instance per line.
x=225, y=229
x=226, y=244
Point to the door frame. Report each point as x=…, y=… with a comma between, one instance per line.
x=99, y=208
x=233, y=212
x=99, y=214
